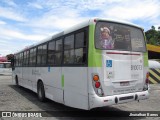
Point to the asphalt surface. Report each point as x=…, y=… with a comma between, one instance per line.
x=13, y=98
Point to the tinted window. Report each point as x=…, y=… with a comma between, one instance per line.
x=51, y=47
x=31, y=55
x=21, y=59
x=32, y=58
x=75, y=52
x=51, y=52
x=80, y=55
x=24, y=59
x=69, y=42
x=44, y=49
x=117, y=36
x=69, y=56
x=27, y=58
x=137, y=40
x=59, y=45
x=42, y=55
x=58, y=58
x=80, y=41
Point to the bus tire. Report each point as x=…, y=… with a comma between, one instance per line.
x=16, y=80
x=41, y=91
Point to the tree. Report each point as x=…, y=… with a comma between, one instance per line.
x=10, y=57
x=153, y=28
x=153, y=36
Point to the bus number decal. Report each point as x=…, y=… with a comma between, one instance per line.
x=136, y=67
x=108, y=63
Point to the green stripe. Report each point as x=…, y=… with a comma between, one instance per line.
x=62, y=81
x=145, y=59
x=94, y=55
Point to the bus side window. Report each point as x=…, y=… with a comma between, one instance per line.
x=42, y=55
x=24, y=58
x=34, y=56
x=27, y=58
x=58, y=52
x=75, y=48
x=21, y=59
x=69, y=49
x=31, y=58
x=51, y=53
x=80, y=45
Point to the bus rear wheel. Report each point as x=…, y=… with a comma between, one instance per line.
x=41, y=92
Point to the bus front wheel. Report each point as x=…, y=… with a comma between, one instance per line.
x=41, y=92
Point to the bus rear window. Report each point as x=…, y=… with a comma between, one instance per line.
x=114, y=36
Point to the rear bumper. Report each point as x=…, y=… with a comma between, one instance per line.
x=96, y=101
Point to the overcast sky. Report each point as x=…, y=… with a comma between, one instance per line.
x=25, y=22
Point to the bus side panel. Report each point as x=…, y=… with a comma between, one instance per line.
x=75, y=87
x=26, y=77
x=51, y=78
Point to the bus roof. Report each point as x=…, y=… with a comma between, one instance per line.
x=79, y=26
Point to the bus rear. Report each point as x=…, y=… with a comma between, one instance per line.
x=118, y=63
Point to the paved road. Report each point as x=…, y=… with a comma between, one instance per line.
x=13, y=98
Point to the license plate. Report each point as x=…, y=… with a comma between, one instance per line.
x=124, y=83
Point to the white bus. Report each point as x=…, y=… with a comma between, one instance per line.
x=5, y=68
x=97, y=63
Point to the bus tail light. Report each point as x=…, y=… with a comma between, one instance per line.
x=146, y=82
x=95, y=77
x=97, y=85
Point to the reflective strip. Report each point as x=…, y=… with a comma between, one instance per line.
x=152, y=81
x=154, y=76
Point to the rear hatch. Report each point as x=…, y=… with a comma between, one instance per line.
x=123, y=72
